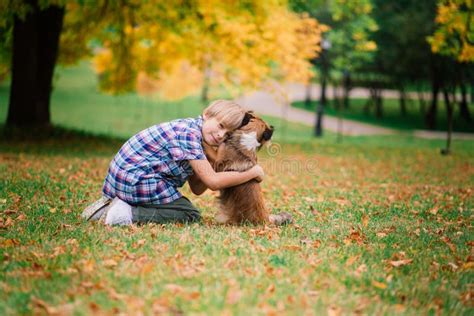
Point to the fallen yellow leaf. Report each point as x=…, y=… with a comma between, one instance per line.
x=468, y=265
x=379, y=285
x=365, y=220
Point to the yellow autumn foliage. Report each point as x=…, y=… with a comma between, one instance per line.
x=226, y=42
x=454, y=34
x=102, y=60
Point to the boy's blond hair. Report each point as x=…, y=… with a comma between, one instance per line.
x=229, y=113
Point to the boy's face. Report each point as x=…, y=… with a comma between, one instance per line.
x=213, y=131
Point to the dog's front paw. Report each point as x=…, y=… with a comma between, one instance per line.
x=222, y=218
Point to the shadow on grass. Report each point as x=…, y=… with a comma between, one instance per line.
x=57, y=140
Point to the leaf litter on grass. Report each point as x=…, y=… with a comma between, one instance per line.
x=374, y=232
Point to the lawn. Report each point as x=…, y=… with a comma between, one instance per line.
x=392, y=117
x=383, y=225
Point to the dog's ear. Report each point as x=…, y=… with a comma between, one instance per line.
x=267, y=134
x=247, y=117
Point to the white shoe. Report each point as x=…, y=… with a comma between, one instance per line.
x=95, y=210
x=119, y=213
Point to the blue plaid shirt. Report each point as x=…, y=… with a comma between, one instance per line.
x=151, y=165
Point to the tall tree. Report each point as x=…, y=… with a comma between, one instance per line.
x=454, y=37
x=404, y=56
x=348, y=37
x=240, y=43
x=454, y=34
x=35, y=50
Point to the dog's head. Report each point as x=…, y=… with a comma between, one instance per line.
x=254, y=132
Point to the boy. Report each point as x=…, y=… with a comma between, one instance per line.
x=142, y=180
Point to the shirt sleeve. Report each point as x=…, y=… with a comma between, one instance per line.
x=186, y=146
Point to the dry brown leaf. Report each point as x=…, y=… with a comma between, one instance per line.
x=468, y=265
x=174, y=288
x=361, y=269
x=334, y=311
x=64, y=309
x=351, y=260
x=270, y=288
x=448, y=242
x=313, y=293
x=110, y=263
x=194, y=295
x=365, y=220
x=305, y=241
x=453, y=266
x=233, y=296
x=434, y=210
x=10, y=242
x=139, y=243
x=292, y=247
x=147, y=268
x=116, y=296
x=86, y=265
x=161, y=306
x=399, y=308
x=231, y=262
x=399, y=263
x=8, y=222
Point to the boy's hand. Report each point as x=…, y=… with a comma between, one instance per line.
x=258, y=172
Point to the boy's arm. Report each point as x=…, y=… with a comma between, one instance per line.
x=221, y=180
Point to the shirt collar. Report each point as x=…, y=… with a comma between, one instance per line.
x=199, y=121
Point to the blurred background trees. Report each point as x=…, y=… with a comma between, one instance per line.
x=175, y=46
x=423, y=49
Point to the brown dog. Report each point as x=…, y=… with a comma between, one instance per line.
x=244, y=202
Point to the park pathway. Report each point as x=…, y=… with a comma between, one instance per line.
x=266, y=103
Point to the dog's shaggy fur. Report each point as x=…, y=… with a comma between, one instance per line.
x=244, y=202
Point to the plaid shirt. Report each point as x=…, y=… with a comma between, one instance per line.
x=151, y=165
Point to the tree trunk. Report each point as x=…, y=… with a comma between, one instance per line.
x=376, y=96
x=35, y=50
x=318, y=129
x=379, y=105
x=402, y=98
x=472, y=91
x=346, y=97
x=422, y=102
x=339, y=111
x=321, y=105
x=464, y=109
x=430, y=118
x=307, y=100
x=449, y=110
x=347, y=85
x=206, y=83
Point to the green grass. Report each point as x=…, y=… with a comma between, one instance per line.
x=392, y=117
x=361, y=207
x=358, y=210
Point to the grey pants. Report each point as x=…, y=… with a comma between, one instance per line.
x=180, y=210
